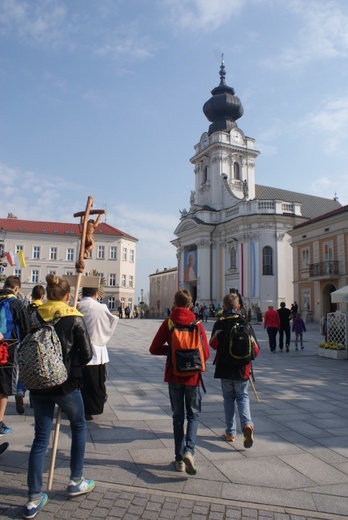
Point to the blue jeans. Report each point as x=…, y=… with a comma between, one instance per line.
x=181, y=397
x=72, y=405
x=233, y=390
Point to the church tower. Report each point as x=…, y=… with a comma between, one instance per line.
x=225, y=158
x=234, y=236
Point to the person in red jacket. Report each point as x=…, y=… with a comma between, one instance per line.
x=271, y=322
x=184, y=391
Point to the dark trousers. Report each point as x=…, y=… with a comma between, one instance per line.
x=287, y=332
x=272, y=335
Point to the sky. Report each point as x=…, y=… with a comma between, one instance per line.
x=105, y=97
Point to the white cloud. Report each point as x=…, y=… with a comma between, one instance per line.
x=205, y=15
x=331, y=118
x=29, y=195
x=322, y=34
x=39, y=22
x=331, y=186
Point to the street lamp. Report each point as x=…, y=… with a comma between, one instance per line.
x=3, y=264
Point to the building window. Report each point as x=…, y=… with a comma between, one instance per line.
x=53, y=253
x=36, y=252
x=328, y=251
x=236, y=173
x=205, y=174
x=35, y=276
x=113, y=252
x=123, y=280
x=267, y=260
x=69, y=273
x=101, y=252
x=123, y=301
x=52, y=272
x=19, y=248
x=131, y=280
x=124, y=253
x=70, y=254
x=111, y=303
x=112, y=280
x=130, y=303
x=305, y=258
x=131, y=256
x=18, y=272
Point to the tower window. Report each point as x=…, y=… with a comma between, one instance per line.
x=267, y=260
x=236, y=171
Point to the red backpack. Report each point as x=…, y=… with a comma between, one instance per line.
x=186, y=349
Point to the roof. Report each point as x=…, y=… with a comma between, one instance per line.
x=312, y=206
x=14, y=225
x=342, y=209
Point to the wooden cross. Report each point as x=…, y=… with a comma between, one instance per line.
x=87, y=243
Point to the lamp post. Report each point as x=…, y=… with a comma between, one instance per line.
x=3, y=264
x=142, y=303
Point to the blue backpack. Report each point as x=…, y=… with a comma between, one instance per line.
x=7, y=325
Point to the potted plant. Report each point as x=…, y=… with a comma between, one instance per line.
x=332, y=350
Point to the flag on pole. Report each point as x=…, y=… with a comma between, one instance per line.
x=22, y=259
x=10, y=258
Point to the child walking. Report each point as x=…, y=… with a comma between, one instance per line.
x=299, y=327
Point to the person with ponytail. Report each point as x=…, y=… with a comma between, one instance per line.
x=77, y=352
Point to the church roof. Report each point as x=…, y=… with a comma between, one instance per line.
x=312, y=206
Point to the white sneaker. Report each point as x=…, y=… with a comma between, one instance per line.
x=180, y=466
x=190, y=463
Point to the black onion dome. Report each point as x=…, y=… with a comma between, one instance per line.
x=224, y=108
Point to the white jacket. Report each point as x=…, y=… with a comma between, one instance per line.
x=100, y=324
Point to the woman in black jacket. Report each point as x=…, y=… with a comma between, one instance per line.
x=77, y=352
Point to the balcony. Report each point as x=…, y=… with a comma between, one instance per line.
x=324, y=269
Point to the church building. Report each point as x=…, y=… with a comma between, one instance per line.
x=235, y=234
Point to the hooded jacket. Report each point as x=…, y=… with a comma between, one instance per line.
x=76, y=345
x=221, y=330
x=160, y=345
x=19, y=313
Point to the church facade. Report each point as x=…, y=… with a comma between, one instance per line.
x=235, y=234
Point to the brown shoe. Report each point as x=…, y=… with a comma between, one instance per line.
x=248, y=436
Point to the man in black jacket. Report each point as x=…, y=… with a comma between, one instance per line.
x=285, y=317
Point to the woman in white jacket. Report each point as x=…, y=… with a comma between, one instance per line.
x=100, y=324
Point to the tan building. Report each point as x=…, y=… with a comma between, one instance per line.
x=53, y=247
x=163, y=286
x=320, y=257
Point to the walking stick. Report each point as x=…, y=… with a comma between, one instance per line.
x=254, y=389
x=80, y=265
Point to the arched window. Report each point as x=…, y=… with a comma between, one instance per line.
x=267, y=260
x=205, y=175
x=236, y=173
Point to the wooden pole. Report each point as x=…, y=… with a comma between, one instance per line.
x=54, y=449
x=85, y=215
x=254, y=389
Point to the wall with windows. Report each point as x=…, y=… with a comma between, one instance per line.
x=163, y=286
x=320, y=256
x=57, y=254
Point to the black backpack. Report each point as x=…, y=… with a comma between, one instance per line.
x=237, y=347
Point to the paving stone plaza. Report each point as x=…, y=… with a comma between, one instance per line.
x=296, y=470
